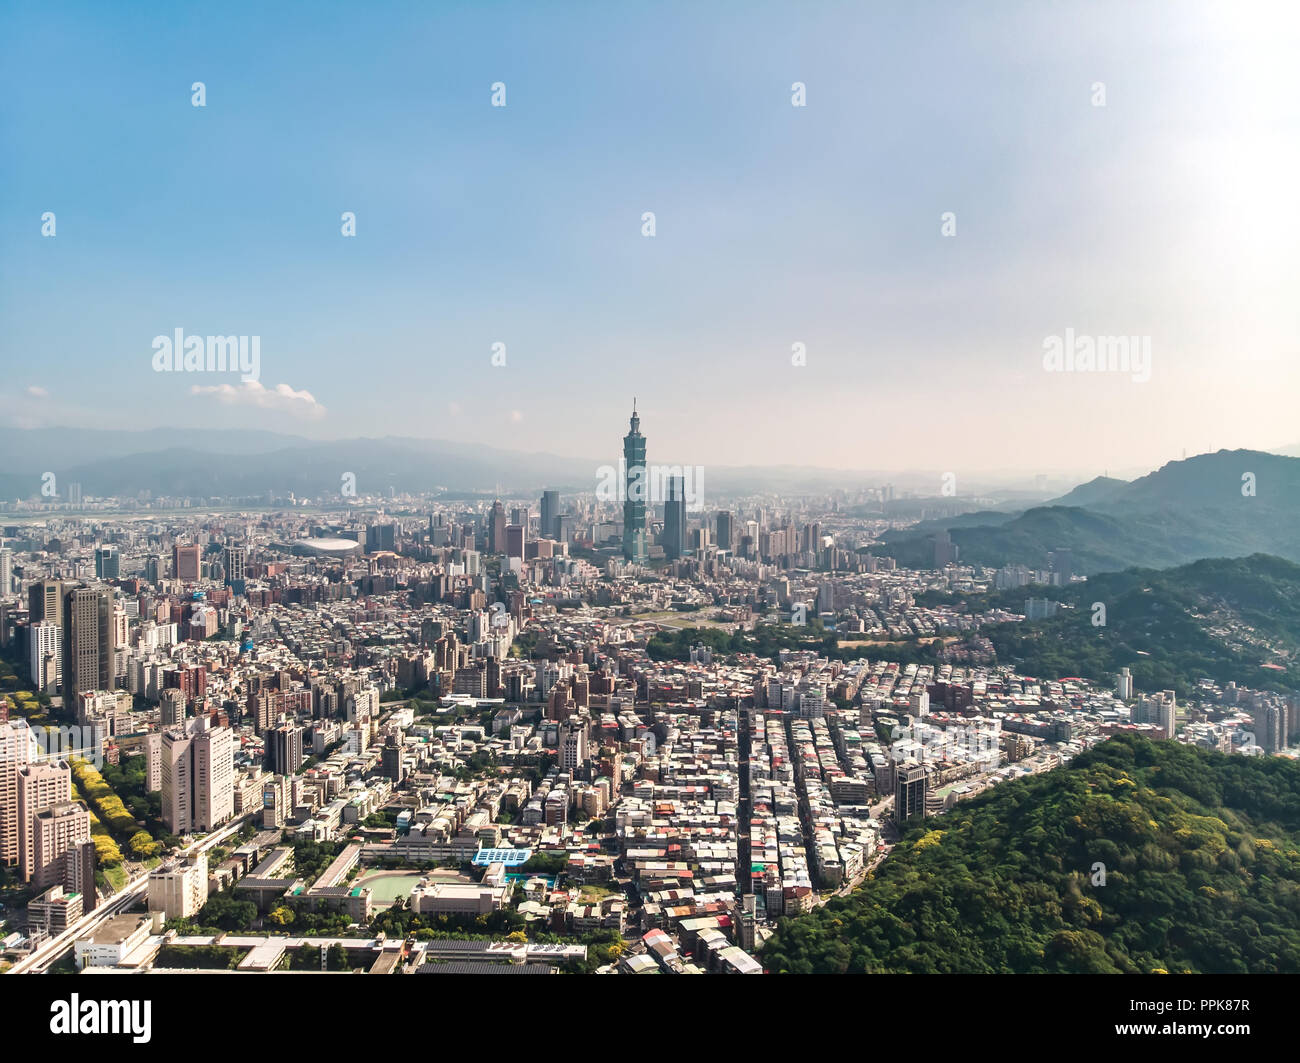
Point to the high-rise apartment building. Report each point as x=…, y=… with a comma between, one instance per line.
x=18, y=748
x=198, y=777
x=636, y=546
x=57, y=832
x=172, y=700
x=40, y=786
x=45, y=662
x=284, y=749
x=1124, y=685
x=236, y=562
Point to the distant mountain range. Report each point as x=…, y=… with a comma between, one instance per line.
x=1228, y=504
x=204, y=463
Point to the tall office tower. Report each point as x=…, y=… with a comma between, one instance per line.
x=724, y=530
x=910, y=788
x=1124, y=685
x=236, y=561
x=284, y=750
x=40, y=786
x=56, y=832
x=74, y=494
x=46, y=655
x=198, y=777
x=636, y=546
x=6, y=571
x=108, y=563
x=185, y=561
x=45, y=601
x=675, y=518
x=515, y=540
x=87, y=642
x=18, y=748
x=519, y=515
x=172, y=703
x=1061, y=563
x=153, y=568
x=496, y=529
x=946, y=551
x=381, y=537
x=550, y=523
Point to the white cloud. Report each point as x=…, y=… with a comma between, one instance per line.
x=252, y=393
x=516, y=416
x=38, y=392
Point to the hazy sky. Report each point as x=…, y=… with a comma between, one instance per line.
x=1172, y=212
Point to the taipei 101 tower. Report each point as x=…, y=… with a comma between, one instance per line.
x=635, y=538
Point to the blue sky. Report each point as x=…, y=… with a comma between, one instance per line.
x=1170, y=212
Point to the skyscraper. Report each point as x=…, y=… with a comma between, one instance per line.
x=284, y=749
x=724, y=530
x=516, y=540
x=675, y=518
x=45, y=601
x=497, y=528
x=6, y=571
x=185, y=561
x=910, y=786
x=108, y=563
x=236, y=563
x=87, y=642
x=635, y=541
x=550, y=522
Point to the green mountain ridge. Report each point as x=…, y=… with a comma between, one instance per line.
x=1201, y=860
x=1184, y=511
x=1227, y=619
